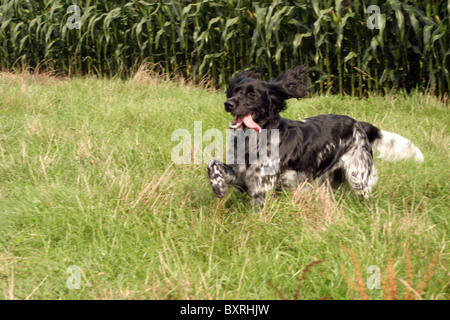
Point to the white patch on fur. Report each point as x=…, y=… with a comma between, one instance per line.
x=289, y=178
x=393, y=147
x=358, y=164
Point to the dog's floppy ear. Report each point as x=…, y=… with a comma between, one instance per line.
x=241, y=77
x=291, y=84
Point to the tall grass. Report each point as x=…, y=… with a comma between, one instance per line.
x=217, y=38
x=86, y=179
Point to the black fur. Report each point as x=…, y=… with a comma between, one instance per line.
x=333, y=147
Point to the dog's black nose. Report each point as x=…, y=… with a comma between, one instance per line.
x=229, y=105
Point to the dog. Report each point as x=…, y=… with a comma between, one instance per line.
x=329, y=147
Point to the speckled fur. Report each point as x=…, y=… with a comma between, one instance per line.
x=333, y=148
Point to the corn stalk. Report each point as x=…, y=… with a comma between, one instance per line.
x=216, y=39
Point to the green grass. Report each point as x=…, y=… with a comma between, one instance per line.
x=85, y=180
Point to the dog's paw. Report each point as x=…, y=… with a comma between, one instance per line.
x=219, y=189
x=218, y=182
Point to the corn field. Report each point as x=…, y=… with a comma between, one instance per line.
x=408, y=48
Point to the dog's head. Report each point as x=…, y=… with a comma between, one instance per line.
x=255, y=102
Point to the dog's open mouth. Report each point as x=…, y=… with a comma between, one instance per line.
x=246, y=120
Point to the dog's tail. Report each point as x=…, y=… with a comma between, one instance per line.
x=391, y=146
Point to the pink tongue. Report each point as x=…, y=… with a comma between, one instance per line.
x=248, y=121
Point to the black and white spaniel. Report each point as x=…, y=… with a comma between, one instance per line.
x=326, y=147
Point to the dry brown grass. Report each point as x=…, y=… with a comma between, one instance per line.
x=389, y=285
x=390, y=281
x=26, y=77
x=300, y=279
x=317, y=205
x=428, y=274
x=150, y=195
x=153, y=74
x=358, y=286
x=152, y=288
x=409, y=274
x=9, y=265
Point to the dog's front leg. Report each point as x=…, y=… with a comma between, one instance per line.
x=257, y=185
x=220, y=176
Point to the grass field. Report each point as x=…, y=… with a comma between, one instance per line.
x=86, y=180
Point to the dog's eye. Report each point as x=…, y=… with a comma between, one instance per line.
x=251, y=95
